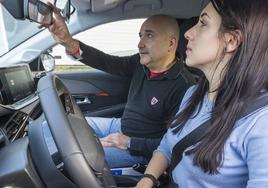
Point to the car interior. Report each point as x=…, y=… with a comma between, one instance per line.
x=45, y=140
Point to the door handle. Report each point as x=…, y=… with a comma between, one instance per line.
x=80, y=99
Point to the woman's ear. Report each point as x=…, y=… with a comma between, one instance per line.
x=233, y=40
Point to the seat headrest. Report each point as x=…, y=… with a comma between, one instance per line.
x=184, y=25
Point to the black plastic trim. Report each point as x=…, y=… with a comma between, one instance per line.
x=49, y=173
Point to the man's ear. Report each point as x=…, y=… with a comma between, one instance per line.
x=233, y=40
x=173, y=43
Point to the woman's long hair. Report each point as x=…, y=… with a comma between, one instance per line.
x=244, y=78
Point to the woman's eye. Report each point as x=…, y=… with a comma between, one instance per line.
x=202, y=23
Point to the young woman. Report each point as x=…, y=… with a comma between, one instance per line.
x=229, y=45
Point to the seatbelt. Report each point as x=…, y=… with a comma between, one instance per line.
x=197, y=134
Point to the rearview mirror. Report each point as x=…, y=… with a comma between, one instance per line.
x=38, y=11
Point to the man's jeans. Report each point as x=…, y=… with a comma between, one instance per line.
x=115, y=157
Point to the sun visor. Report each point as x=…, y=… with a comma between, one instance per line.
x=103, y=5
x=151, y=4
x=14, y=7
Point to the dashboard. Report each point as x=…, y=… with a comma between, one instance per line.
x=19, y=109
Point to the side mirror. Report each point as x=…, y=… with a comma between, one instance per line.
x=48, y=62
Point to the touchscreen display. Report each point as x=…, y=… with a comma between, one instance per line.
x=18, y=83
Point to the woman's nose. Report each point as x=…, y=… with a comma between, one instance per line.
x=189, y=33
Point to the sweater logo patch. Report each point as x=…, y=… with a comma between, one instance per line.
x=154, y=101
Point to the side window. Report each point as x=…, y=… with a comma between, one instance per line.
x=117, y=38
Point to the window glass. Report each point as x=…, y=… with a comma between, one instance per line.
x=117, y=38
x=13, y=31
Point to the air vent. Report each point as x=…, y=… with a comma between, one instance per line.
x=16, y=126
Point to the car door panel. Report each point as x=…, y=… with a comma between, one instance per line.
x=97, y=93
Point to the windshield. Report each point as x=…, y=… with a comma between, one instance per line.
x=13, y=32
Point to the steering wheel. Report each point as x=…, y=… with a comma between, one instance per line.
x=79, y=148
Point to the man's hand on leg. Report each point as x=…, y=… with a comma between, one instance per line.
x=117, y=140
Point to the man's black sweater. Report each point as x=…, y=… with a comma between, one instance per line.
x=151, y=101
